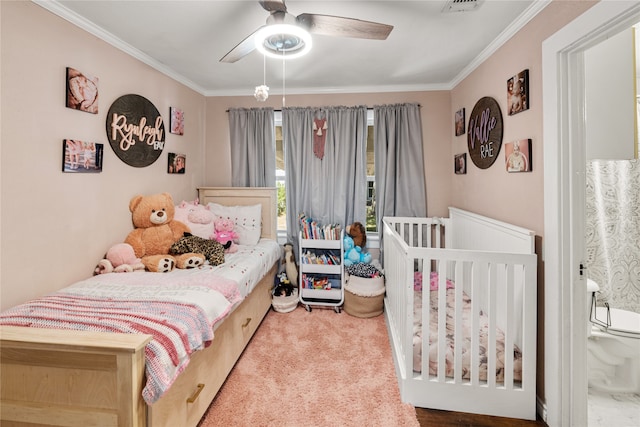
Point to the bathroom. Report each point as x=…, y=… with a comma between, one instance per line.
x=612, y=225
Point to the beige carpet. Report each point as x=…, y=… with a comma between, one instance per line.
x=317, y=368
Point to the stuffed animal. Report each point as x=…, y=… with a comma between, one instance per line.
x=197, y=217
x=211, y=249
x=224, y=232
x=358, y=233
x=353, y=254
x=120, y=258
x=155, y=231
x=290, y=266
x=283, y=286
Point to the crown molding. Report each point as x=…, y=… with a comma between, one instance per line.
x=524, y=18
x=55, y=7
x=67, y=14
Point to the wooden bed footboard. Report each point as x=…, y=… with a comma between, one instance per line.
x=71, y=378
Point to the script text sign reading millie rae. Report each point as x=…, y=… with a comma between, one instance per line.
x=484, y=136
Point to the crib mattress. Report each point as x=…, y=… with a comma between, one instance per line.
x=450, y=344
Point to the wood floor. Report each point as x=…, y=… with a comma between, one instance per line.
x=436, y=418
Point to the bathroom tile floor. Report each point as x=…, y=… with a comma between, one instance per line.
x=613, y=410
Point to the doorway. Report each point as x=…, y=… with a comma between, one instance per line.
x=564, y=182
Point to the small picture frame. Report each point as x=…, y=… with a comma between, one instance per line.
x=82, y=91
x=518, y=93
x=460, y=164
x=459, y=122
x=81, y=156
x=177, y=121
x=517, y=156
x=177, y=163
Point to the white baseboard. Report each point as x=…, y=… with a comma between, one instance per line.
x=541, y=408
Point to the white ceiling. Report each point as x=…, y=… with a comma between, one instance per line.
x=428, y=49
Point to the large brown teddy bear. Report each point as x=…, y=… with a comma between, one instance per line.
x=155, y=231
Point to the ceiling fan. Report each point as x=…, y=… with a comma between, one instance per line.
x=293, y=42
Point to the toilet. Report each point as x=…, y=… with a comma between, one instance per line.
x=613, y=347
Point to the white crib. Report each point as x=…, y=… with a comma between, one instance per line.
x=492, y=263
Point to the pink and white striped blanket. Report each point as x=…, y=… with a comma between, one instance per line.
x=179, y=309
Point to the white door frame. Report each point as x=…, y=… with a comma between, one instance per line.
x=564, y=183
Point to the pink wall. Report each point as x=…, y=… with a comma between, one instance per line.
x=435, y=125
x=511, y=197
x=56, y=226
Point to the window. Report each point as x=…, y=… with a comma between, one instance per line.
x=371, y=225
x=281, y=172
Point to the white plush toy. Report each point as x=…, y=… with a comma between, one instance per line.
x=290, y=266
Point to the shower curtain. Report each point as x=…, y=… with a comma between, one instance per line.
x=613, y=231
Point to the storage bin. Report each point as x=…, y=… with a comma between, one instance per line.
x=285, y=304
x=364, y=297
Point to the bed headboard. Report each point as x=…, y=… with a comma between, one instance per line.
x=246, y=196
x=476, y=232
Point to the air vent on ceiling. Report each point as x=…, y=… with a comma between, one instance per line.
x=461, y=5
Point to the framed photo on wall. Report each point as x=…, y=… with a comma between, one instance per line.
x=517, y=156
x=518, y=93
x=82, y=91
x=459, y=122
x=460, y=164
x=177, y=163
x=177, y=121
x=81, y=156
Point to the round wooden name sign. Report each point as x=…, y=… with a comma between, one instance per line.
x=135, y=130
x=484, y=136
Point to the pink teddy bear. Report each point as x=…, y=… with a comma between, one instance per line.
x=225, y=233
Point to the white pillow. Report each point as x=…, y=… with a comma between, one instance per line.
x=246, y=218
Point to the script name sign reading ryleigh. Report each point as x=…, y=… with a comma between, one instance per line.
x=135, y=130
x=484, y=136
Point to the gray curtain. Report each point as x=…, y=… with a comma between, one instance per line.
x=399, y=165
x=332, y=189
x=253, y=147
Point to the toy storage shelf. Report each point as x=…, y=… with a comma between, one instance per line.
x=321, y=268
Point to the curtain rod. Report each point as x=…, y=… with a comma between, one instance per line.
x=279, y=110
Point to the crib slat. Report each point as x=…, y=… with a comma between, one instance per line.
x=491, y=338
x=509, y=329
x=442, y=321
x=476, y=285
x=425, y=318
x=458, y=337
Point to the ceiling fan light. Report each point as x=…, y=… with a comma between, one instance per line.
x=281, y=40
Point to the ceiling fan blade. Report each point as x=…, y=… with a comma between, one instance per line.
x=328, y=25
x=273, y=5
x=241, y=50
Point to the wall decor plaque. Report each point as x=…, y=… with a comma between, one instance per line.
x=135, y=130
x=484, y=135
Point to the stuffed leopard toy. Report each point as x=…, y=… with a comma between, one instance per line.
x=211, y=249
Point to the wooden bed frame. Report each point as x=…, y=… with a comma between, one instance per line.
x=81, y=379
